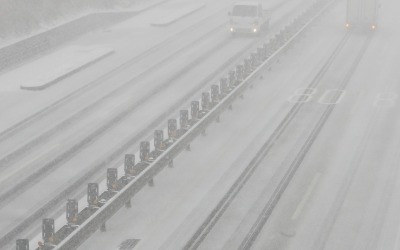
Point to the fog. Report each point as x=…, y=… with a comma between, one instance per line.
x=183, y=124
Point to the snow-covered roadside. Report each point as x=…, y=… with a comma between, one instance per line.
x=49, y=69
x=137, y=6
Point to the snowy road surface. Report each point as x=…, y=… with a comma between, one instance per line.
x=59, y=153
x=342, y=142
x=344, y=193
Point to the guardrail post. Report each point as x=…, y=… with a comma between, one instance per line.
x=184, y=124
x=72, y=212
x=144, y=150
x=263, y=52
x=266, y=50
x=112, y=179
x=129, y=165
x=93, y=195
x=172, y=127
x=276, y=42
x=22, y=244
x=215, y=97
x=260, y=55
x=291, y=29
x=159, y=140
x=194, y=110
x=295, y=24
x=283, y=35
x=144, y=156
x=247, y=67
x=239, y=74
x=184, y=119
x=214, y=94
x=271, y=46
x=231, y=79
x=205, y=101
x=223, y=86
x=254, y=61
x=48, y=231
x=280, y=38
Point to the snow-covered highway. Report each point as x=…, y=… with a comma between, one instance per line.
x=57, y=154
x=307, y=159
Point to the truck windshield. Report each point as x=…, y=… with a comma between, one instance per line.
x=244, y=11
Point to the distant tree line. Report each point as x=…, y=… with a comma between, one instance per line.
x=21, y=17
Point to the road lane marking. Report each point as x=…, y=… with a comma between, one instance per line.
x=332, y=97
x=386, y=100
x=302, y=95
x=13, y=171
x=302, y=203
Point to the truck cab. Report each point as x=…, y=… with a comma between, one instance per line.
x=248, y=17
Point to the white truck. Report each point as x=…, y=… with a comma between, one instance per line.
x=249, y=17
x=362, y=14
